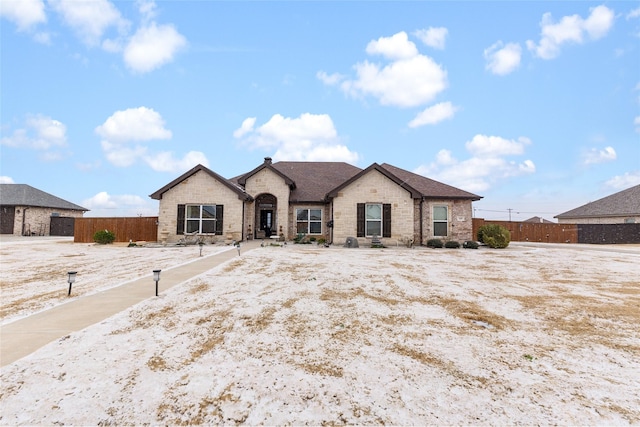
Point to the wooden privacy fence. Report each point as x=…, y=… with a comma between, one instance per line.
x=125, y=228
x=533, y=231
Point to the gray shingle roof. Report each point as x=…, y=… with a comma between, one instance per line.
x=313, y=180
x=26, y=195
x=622, y=203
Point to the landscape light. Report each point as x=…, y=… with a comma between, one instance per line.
x=238, y=247
x=71, y=279
x=156, y=278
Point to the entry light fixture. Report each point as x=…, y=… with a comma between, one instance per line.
x=156, y=278
x=71, y=279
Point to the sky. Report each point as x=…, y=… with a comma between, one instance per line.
x=535, y=106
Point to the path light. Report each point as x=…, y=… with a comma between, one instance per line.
x=238, y=247
x=71, y=279
x=201, y=243
x=156, y=277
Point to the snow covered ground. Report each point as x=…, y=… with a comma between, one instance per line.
x=308, y=335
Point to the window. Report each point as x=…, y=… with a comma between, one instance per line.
x=201, y=219
x=440, y=220
x=309, y=221
x=373, y=219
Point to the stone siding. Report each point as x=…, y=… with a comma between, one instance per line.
x=37, y=221
x=460, y=224
x=373, y=187
x=200, y=189
x=266, y=181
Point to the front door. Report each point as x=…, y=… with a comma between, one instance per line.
x=266, y=221
x=7, y=218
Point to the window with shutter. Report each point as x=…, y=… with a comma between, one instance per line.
x=360, y=220
x=386, y=220
x=219, y=217
x=180, y=219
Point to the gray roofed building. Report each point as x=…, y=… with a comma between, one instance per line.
x=26, y=195
x=27, y=211
x=620, y=207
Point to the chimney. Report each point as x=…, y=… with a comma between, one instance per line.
x=267, y=160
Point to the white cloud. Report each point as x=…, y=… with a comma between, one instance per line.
x=153, y=46
x=487, y=166
x=6, y=180
x=434, y=114
x=404, y=83
x=503, y=59
x=134, y=124
x=40, y=133
x=595, y=156
x=495, y=146
x=636, y=122
x=397, y=46
x=571, y=29
x=621, y=182
x=90, y=19
x=329, y=79
x=245, y=128
x=635, y=13
x=124, y=204
x=433, y=37
x=310, y=137
x=408, y=79
x=166, y=162
x=24, y=13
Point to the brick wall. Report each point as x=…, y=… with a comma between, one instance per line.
x=267, y=182
x=373, y=187
x=201, y=189
x=37, y=220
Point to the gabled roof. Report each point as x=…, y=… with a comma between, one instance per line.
x=622, y=203
x=538, y=219
x=26, y=195
x=315, y=179
x=430, y=188
x=232, y=186
x=242, y=179
x=414, y=193
x=417, y=185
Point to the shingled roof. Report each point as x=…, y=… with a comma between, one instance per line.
x=315, y=179
x=429, y=187
x=622, y=203
x=26, y=195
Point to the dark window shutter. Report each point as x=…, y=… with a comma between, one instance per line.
x=360, y=219
x=386, y=220
x=180, y=227
x=219, y=216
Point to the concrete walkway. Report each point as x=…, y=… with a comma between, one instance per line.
x=22, y=337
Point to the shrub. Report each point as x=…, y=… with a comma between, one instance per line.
x=494, y=236
x=104, y=237
x=452, y=244
x=434, y=243
x=470, y=244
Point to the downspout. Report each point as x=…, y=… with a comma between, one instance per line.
x=421, y=221
x=244, y=203
x=24, y=212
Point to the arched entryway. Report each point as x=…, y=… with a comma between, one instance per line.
x=265, y=219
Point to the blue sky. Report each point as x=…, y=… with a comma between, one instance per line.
x=533, y=105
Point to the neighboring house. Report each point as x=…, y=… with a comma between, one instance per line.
x=538, y=220
x=619, y=208
x=27, y=211
x=330, y=200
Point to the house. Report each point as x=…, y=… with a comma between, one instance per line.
x=27, y=211
x=619, y=208
x=538, y=220
x=328, y=200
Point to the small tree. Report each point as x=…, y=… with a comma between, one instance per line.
x=104, y=237
x=494, y=236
